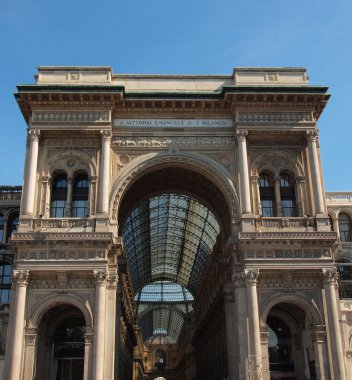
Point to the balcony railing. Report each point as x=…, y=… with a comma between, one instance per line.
x=10, y=193
x=280, y=223
x=339, y=196
x=84, y=224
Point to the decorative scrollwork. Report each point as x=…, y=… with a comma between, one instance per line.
x=20, y=277
x=251, y=276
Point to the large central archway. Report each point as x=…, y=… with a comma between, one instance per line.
x=171, y=220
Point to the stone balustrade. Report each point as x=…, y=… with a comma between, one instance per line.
x=282, y=223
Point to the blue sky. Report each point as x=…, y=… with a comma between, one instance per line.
x=190, y=37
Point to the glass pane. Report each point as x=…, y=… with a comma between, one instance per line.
x=288, y=207
x=284, y=180
x=79, y=208
x=57, y=209
x=264, y=180
x=267, y=207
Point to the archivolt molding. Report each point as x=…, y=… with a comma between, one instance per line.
x=344, y=210
x=276, y=161
x=306, y=303
x=70, y=162
x=149, y=162
x=56, y=299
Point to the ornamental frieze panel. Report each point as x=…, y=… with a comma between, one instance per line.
x=71, y=116
x=192, y=142
x=274, y=117
x=58, y=255
x=67, y=143
x=298, y=253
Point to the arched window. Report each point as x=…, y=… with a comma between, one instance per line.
x=344, y=227
x=2, y=228
x=288, y=195
x=58, y=196
x=12, y=224
x=267, y=194
x=80, y=196
x=160, y=359
x=5, y=281
x=345, y=272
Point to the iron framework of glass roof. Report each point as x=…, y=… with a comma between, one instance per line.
x=168, y=239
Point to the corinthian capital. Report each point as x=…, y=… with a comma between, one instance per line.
x=33, y=134
x=312, y=135
x=251, y=276
x=100, y=277
x=330, y=276
x=106, y=134
x=241, y=135
x=20, y=277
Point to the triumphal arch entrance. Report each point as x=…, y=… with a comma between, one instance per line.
x=173, y=227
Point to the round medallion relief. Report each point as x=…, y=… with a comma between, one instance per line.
x=70, y=162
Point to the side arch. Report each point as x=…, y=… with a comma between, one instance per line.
x=299, y=299
x=53, y=300
x=147, y=163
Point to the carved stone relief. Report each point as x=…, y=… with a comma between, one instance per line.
x=191, y=142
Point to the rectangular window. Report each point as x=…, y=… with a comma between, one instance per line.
x=4, y=295
x=288, y=207
x=79, y=208
x=268, y=207
x=57, y=209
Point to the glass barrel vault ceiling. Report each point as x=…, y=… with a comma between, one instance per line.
x=168, y=239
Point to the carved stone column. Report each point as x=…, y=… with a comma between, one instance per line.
x=330, y=284
x=277, y=189
x=301, y=208
x=68, y=208
x=20, y=279
x=315, y=171
x=243, y=171
x=31, y=339
x=99, y=325
x=231, y=335
x=240, y=324
x=92, y=194
x=110, y=353
x=255, y=190
x=104, y=171
x=45, y=206
x=30, y=176
x=88, y=343
x=321, y=358
x=264, y=340
x=255, y=356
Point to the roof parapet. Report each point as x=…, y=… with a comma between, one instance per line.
x=73, y=75
x=288, y=76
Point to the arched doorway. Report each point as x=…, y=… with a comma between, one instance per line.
x=60, y=353
x=290, y=352
x=172, y=220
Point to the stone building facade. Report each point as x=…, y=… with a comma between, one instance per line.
x=175, y=227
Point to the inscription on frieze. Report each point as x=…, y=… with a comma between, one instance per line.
x=173, y=123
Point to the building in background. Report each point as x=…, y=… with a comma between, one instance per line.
x=174, y=227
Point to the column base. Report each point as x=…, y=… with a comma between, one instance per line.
x=247, y=223
x=26, y=223
x=323, y=223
